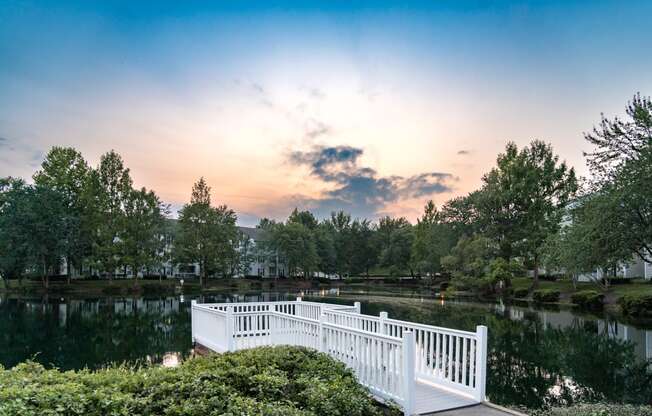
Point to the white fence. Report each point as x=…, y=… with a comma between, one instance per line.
x=388, y=356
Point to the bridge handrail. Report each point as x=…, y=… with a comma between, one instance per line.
x=402, y=351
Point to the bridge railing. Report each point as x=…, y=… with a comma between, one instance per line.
x=447, y=357
x=387, y=355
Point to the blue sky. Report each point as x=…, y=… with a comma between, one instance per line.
x=252, y=94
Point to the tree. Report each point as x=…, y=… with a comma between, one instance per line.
x=106, y=192
x=342, y=243
x=523, y=199
x=591, y=239
x=142, y=237
x=432, y=240
x=14, y=235
x=65, y=171
x=206, y=234
x=394, y=239
x=471, y=256
x=364, y=254
x=297, y=245
x=46, y=230
x=622, y=165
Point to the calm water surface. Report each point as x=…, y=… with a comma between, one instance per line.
x=537, y=356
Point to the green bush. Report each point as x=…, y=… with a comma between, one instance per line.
x=546, y=295
x=263, y=381
x=636, y=305
x=470, y=284
x=521, y=293
x=590, y=299
x=596, y=410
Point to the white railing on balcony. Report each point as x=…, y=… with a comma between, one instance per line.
x=388, y=356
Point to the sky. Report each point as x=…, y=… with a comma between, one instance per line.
x=370, y=107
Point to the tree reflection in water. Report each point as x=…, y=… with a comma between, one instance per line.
x=537, y=357
x=533, y=363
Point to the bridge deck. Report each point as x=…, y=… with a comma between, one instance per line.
x=429, y=399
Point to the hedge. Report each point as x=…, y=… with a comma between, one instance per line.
x=264, y=381
x=521, y=293
x=546, y=295
x=636, y=305
x=590, y=299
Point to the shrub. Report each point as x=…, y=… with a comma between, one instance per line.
x=263, y=381
x=590, y=299
x=521, y=293
x=636, y=305
x=596, y=410
x=470, y=284
x=546, y=295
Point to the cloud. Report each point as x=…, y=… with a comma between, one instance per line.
x=315, y=128
x=463, y=152
x=360, y=190
x=316, y=93
x=3, y=141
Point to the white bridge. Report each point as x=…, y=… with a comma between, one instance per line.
x=420, y=367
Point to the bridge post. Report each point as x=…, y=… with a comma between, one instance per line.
x=230, y=341
x=357, y=307
x=481, y=363
x=298, y=298
x=322, y=335
x=409, y=378
x=192, y=320
x=383, y=316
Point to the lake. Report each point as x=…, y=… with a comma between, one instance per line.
x=537, y=356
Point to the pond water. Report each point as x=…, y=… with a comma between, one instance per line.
x=537, y=356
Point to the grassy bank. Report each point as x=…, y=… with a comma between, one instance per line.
x=625, y=296
x=263, y=381
x=97, y=287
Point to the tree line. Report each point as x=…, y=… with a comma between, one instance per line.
x=530, y=213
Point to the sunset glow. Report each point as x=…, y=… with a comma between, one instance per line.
x=232, y=93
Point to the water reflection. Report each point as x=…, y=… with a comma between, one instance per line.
x=537, y=356
x=540, y=357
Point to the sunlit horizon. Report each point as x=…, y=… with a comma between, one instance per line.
x=253, y=98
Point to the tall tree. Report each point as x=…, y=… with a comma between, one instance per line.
x=65, y=171
x=107, y=190
x=342, y=242
x=14, y=234
x=394, y=239
x=142, y=236
x=590, y=239
x=622, y=165
x=432, y=240
x=46, y=229
x=206, y=234
x=364, y=254
x=523, y=199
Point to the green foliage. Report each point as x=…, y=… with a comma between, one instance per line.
x=589, y=299
x=596, y=409
x=433, y=239
x=622, y=167
x=501, y=270
x=636, y=305
x=521, y=293
x=522, y=200
x=205, y=233
x=394, y=239
x=470, y=257
x=264, y=381
x=546, y=295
